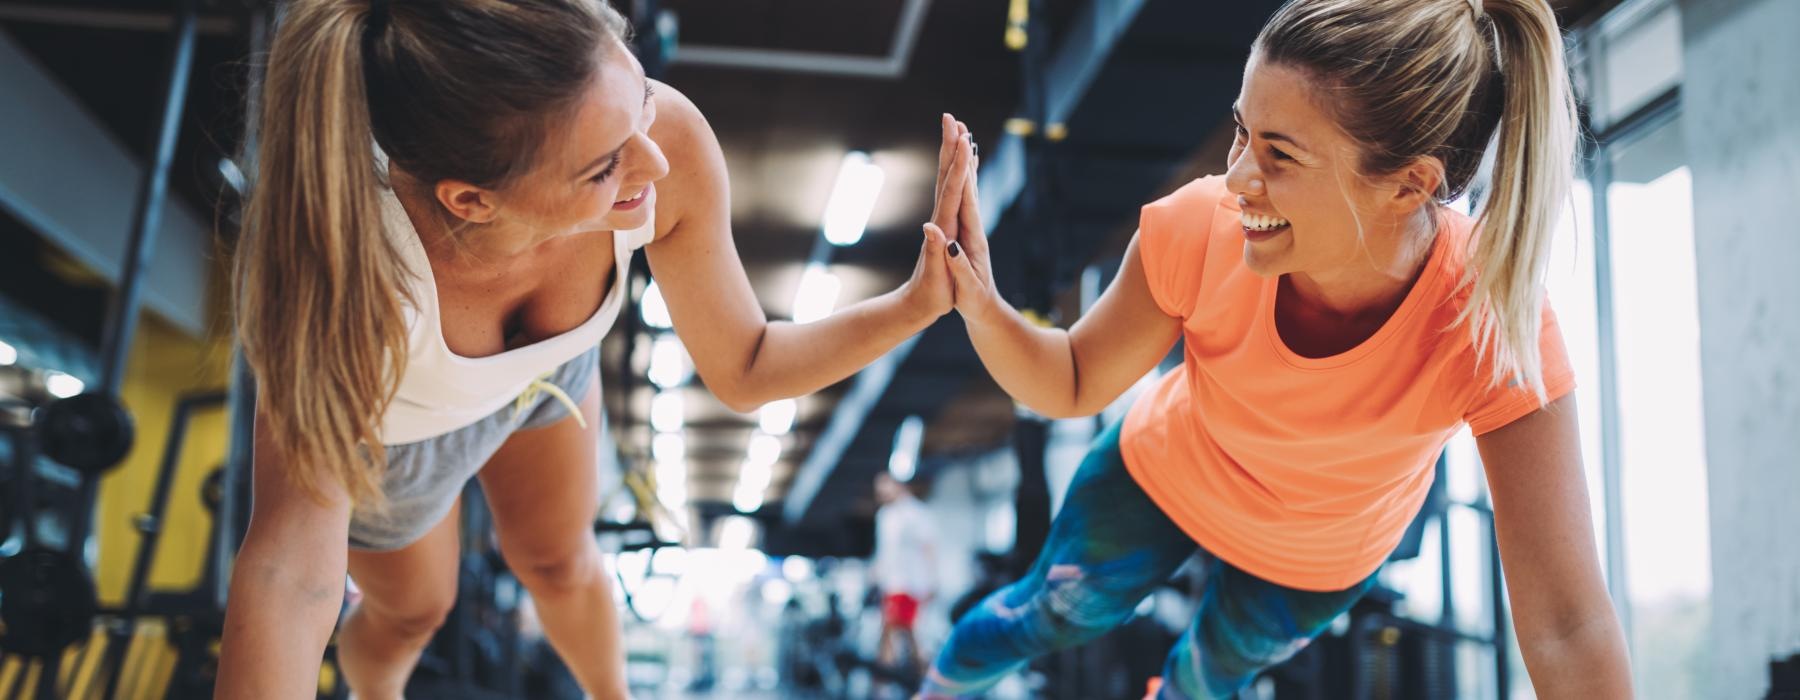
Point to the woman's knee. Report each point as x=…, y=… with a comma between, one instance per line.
x=416, y=618
x=1064, y=606
x=555, y=569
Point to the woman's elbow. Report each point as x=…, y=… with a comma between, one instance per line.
x=1063, y=409
x=739, y=396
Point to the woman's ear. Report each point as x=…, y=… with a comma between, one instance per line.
x=1418, y=183
x=468, y=202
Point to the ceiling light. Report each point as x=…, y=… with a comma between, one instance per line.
x=666, y=412
x=747, y=500
x=753, y=482
x=668, y=447
x=852, y=199
x=905, y=459
x=817, y=294
x=777, y=417
x=62, y=385
x=669, y=363
x=655, y=310
x=764, y=450
x=736, y=532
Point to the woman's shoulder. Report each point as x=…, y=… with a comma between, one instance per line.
x=1186, y=219
x=696, y=183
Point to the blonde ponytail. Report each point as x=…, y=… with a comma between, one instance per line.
x=318, y=303
x=1533, y=161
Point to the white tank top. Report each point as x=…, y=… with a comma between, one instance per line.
x=442, y=391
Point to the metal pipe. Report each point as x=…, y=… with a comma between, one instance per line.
x=891, y=66
x=122, y=316
x=1611, y=481
x=118, y=20
x=232, y=518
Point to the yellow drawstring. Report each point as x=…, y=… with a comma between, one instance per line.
x=542, y=385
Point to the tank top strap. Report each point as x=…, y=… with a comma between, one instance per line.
x=639, y=237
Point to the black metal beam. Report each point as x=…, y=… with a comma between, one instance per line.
x=121, y=322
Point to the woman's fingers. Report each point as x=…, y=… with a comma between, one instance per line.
x=946, y=148
x=952, y=188
x=968, y=285
x=969, y=230
x=933, y=274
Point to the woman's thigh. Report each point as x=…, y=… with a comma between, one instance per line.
x=414, y=585
x=543, y=488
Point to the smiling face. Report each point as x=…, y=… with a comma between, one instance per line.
x=597, y=166
x=1305, y=207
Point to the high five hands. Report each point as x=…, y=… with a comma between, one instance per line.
x=953, y=269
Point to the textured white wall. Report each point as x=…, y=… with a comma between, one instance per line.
x=1741, y=104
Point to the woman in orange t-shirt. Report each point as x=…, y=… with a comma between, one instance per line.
x=1340, y=325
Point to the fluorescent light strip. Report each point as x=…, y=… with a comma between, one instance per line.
x=904, y=461
x=655, y=310
x=667, y=413
x=777, y=417
x=817, y=294
x=852, y=199
x=669, y=362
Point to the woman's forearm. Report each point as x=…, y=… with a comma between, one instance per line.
x=793, y=359
x=1587, y=661
x=1035, y=365
x=277, y=623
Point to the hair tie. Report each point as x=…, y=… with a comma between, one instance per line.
x=378, y=18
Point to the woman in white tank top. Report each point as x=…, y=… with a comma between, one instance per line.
x=415, y=321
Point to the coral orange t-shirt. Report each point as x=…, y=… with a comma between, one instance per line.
x=1304, y=471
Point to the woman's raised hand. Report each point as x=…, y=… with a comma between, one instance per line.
x=968, y=259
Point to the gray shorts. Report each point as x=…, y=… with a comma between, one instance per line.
x=424, y=478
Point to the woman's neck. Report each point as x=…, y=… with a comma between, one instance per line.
x=1374, y=283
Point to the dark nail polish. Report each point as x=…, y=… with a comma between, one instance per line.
x=955, y=249
x=974, y=148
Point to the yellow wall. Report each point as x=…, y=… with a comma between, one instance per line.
x=165, y=364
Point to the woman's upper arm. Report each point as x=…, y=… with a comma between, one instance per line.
x=1121, y=338
x=1542, y=517
x=710, y=299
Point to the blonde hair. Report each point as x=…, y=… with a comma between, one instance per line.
x=1411, y=79
x=448, y=89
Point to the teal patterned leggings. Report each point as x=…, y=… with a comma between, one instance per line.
x=1108, y=548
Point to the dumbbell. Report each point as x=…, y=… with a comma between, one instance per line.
x=47, y=602
x=88, y=432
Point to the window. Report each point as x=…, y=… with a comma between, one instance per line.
x=1642, y=416
x=1662, y=453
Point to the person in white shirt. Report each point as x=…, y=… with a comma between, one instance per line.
x=905, y=567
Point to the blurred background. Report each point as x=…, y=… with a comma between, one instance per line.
x=745, y=545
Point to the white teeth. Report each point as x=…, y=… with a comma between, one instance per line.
x=1258, y=222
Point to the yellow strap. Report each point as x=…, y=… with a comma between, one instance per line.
x=542, y=385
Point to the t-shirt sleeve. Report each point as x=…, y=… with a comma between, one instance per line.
x=1171, y=238
x=1495, y=407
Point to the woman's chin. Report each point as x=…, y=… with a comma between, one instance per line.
x=619, y=221
x=1264, y=263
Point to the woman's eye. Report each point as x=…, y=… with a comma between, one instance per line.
x=610, y=167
